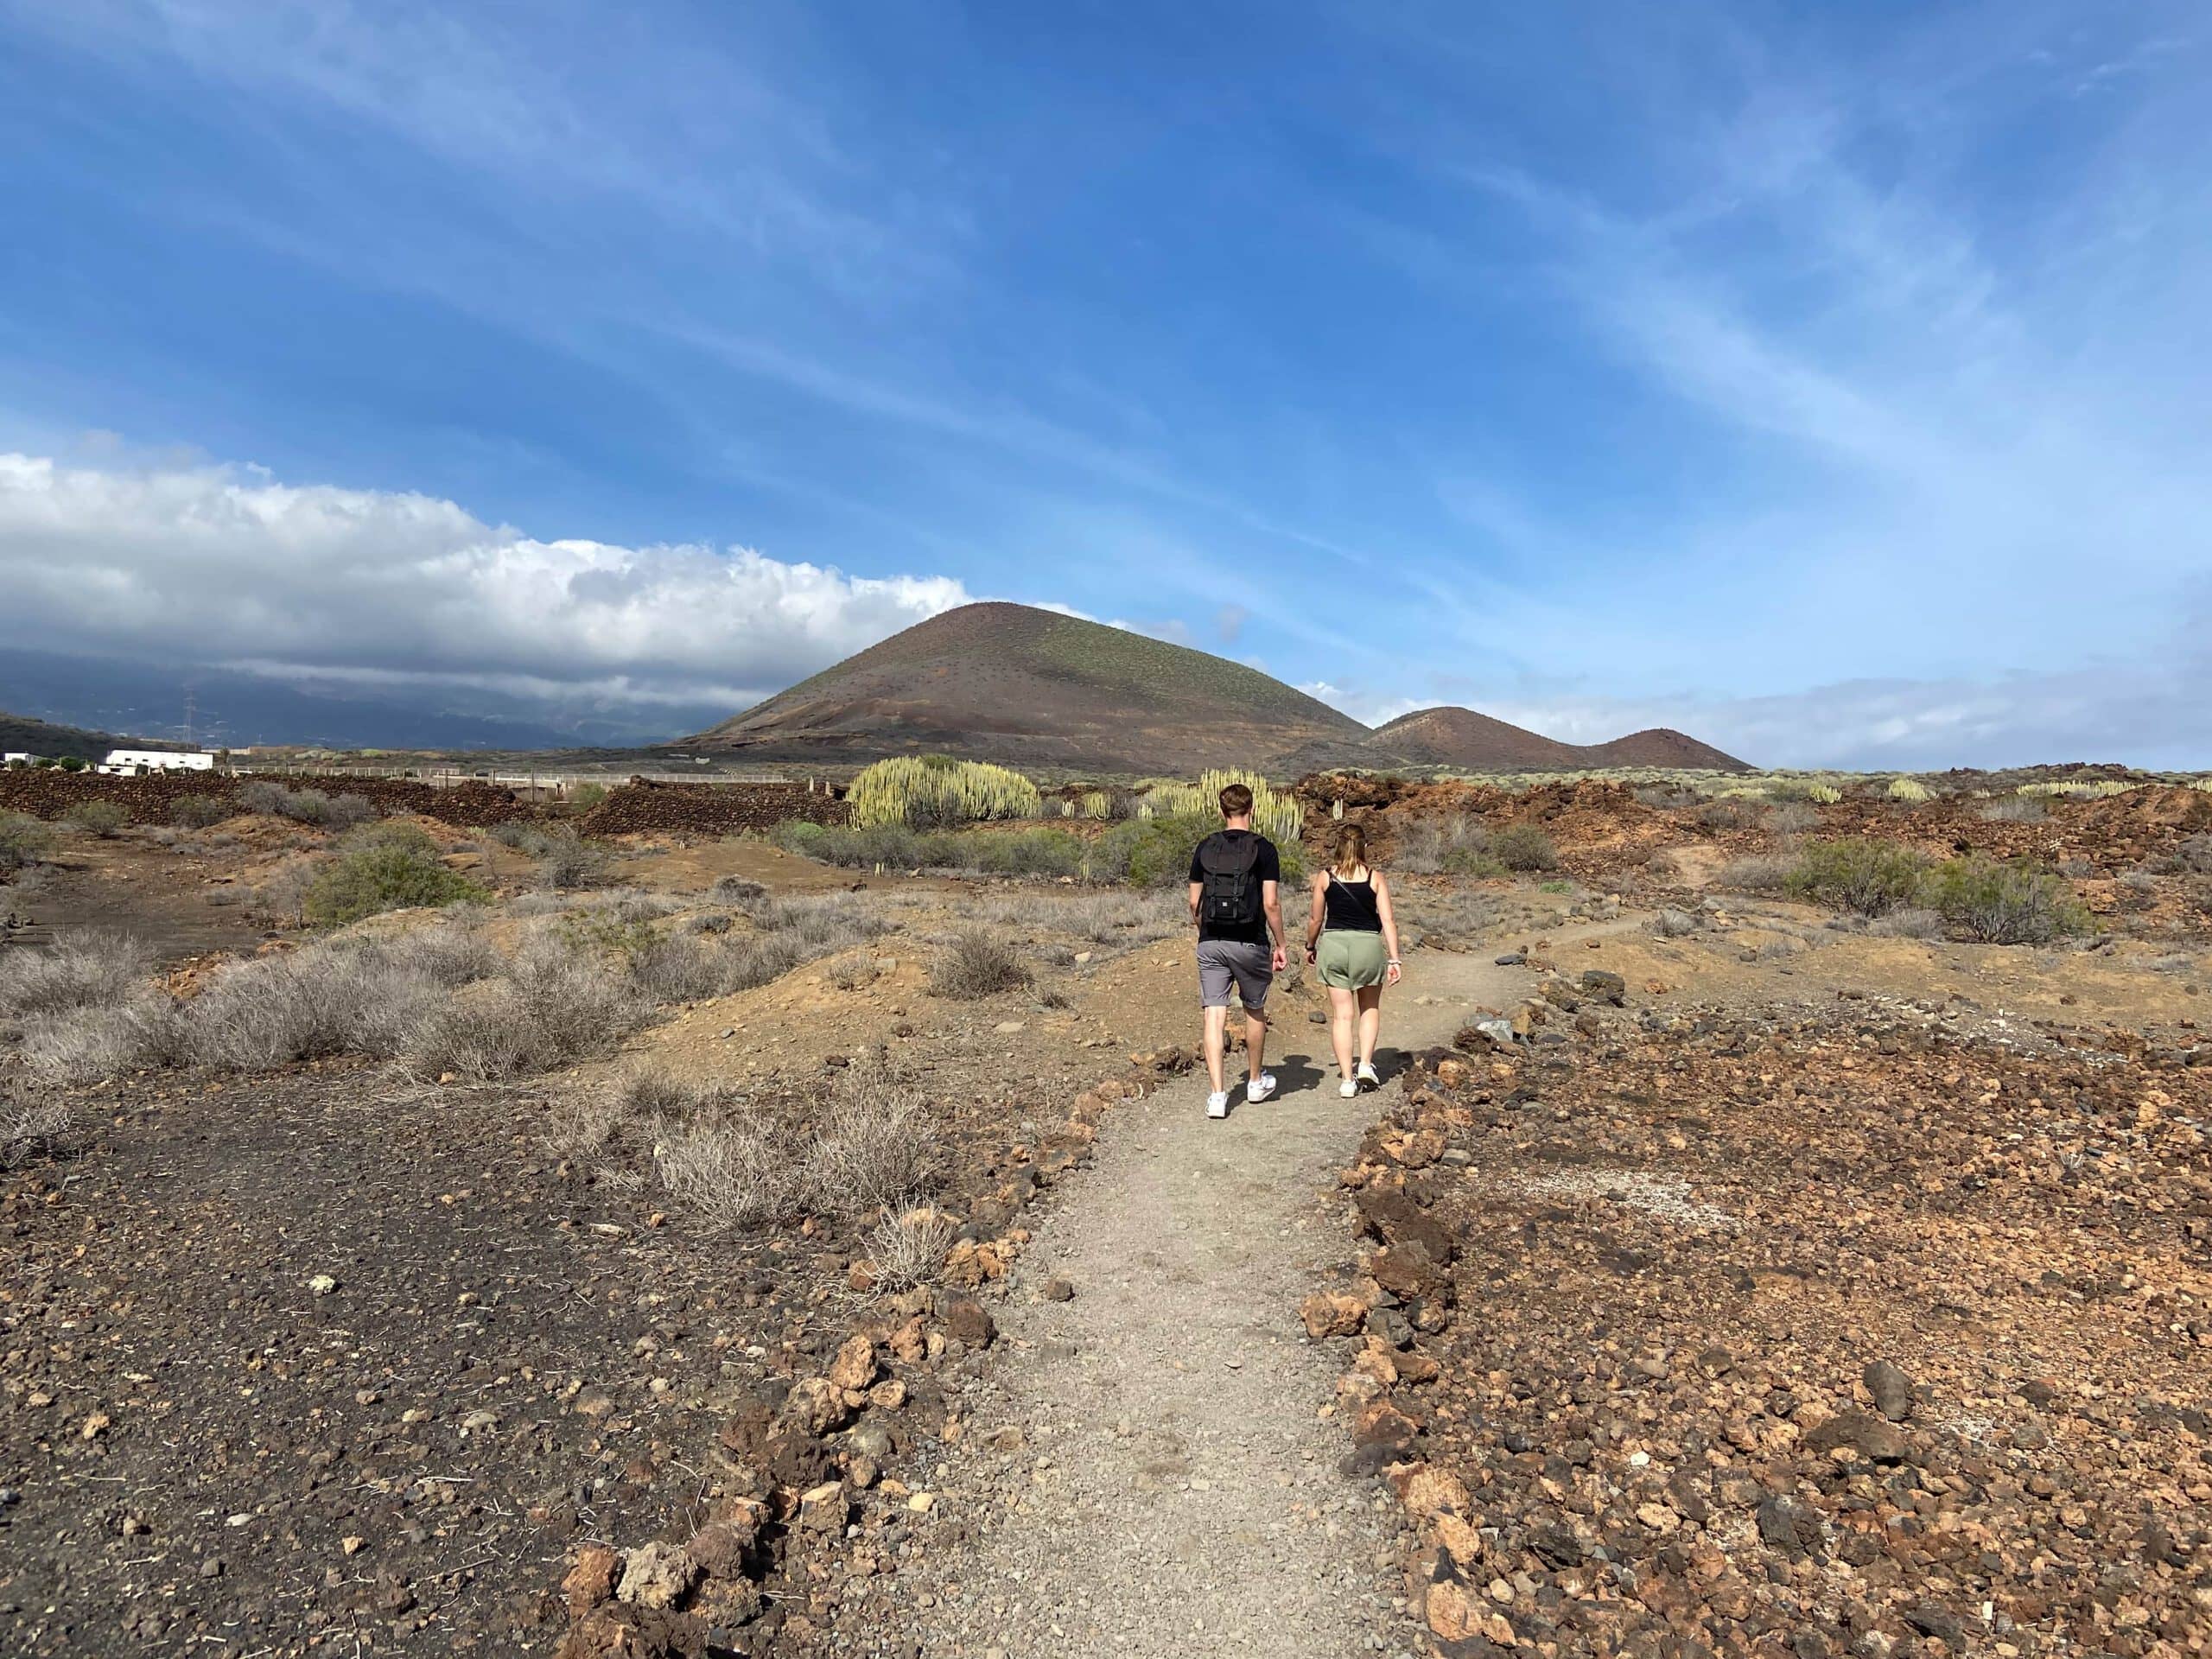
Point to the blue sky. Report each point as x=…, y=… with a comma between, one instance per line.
x=1829, y=381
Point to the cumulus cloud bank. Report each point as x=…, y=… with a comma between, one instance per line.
x=221, y=564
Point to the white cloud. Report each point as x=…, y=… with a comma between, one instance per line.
x=218, y=564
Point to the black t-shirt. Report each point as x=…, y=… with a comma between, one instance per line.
x=1266, y=866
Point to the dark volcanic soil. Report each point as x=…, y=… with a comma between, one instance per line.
x=197, y=1423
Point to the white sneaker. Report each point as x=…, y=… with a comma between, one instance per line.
x=1218, y=1104
x=1365, y=1073
x=1259, y=1088
x=1347, y=1088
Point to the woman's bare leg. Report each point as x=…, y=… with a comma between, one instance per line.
x=1340, y=1023
x=1370, y=1021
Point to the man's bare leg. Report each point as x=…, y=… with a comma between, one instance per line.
x=1256, y=1042
x=1217, y=1038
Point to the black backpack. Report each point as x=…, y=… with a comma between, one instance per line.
x=1230, y=894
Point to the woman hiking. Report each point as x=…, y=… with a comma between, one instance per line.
x=1352, y=936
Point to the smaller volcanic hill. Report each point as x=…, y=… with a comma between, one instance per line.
x=1030, y=688
x=1468, y=741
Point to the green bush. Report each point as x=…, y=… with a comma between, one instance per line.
x=584, y=797
x=390, y=868
x=2002, y=903
x=1869, y=877
x=1156, y=852
x=72, y=763
x=1523, y=847
x=1469, y=861
x=197, y=811
x=23, y=841
x=98, y=817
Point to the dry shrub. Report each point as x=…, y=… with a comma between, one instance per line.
x=23, y=841
x=349, y=996
x=103, y=818
x=876, y=1148
x=908, y=1250
x=1729, y=812
x=1911, y=923
x=2016, y=809
x=488, y=1035
x=977, y=964
x=1448, y=920
x=851, y=973
x=91, y=969
x=1671, y=923
x=583, y=1123
x=1450, y=844
x=88, y=1044
x=725, y=1174
x=573, y=996
x=678, y=967
x=1792, y=818
x=1760, y=873
x=43, y=1126
x=284, y=896
x=567, y=860
x=737, y=889
x=197, y=811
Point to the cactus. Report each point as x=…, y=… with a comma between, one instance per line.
x=1824, y=794
x=1910, y=789
x=932, y=791
x=2079, y=789
x=1275, y=815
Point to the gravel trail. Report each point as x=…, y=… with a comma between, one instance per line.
x=1153, y=1476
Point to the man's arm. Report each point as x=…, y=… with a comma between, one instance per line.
x=1271, y=899
x=1197, y=889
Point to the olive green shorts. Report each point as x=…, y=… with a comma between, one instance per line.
x=1351, y=962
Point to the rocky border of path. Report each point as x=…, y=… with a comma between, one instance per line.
x=812, y=1479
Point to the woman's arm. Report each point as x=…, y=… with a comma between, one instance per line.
x=1390, y=926
x=1317, y=908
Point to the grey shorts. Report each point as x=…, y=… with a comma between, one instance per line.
x=1221, y=961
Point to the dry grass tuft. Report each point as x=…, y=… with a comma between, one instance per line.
x=908, y=1250
x=977, y=964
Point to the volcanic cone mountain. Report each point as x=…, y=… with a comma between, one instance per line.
x=1467, y=741
x=1030, y=688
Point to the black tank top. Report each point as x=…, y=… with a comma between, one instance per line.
x=1352, y=906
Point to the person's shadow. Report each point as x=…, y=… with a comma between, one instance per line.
x=1295, y=1073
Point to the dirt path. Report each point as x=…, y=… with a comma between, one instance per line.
x=1154, y=1477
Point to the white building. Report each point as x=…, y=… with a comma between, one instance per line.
x=13, y=756
x=125, y=762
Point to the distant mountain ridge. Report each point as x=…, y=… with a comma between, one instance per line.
x=24, y=735
x=1036, y=689
x=1460, y=738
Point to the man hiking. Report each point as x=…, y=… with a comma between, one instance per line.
x=1235, y=874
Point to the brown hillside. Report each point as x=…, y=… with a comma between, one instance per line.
x=1030, y=688
x=1468, y=741
x=1662, y=746
x=1460, y=737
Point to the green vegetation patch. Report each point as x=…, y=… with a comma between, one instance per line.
x=392, y=868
